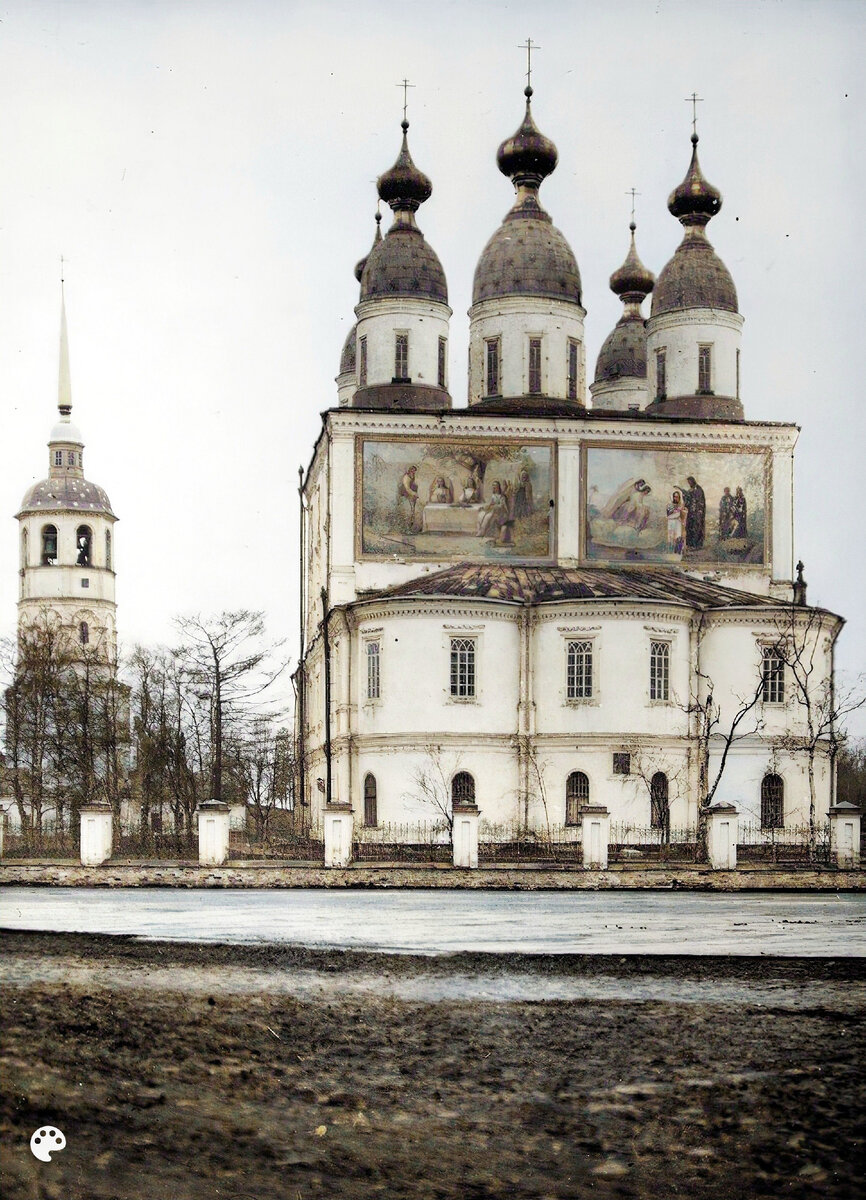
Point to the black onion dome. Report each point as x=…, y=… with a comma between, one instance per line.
x=695, y=201
x=66, y=492
x=632, y=278
x=527, y=256
x=623, y=353
x=527, y=156
x=404, y=264
x=404, y=186
x=347, y=355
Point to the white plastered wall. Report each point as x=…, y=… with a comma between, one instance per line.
x=680, y=334
x=514, y=320
x=425, y=321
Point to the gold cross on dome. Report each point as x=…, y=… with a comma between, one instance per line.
x=529, y=45
x=694, y=100
x=405, y=85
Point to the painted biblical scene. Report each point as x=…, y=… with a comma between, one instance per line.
x=456, y=500
x=675, y=506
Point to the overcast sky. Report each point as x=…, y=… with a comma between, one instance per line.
x=206, y=169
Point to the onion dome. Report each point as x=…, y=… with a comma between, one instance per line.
x=402, y=263
x=404, y=187
x=359, y=266
x=347, y=354
x=527, y=255
x=623, y=354
x=528, y=157
x=695, y=277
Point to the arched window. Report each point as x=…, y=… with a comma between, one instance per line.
x=370, y=814
x=576, y=795
x=772, y=802
x=462, y=788
x=83, y=544
x=660, y=813
x=25, y=547
x=84, y=633
x=49, y=545
x=108, y=549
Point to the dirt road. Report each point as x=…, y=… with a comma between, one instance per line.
x=195, y=1072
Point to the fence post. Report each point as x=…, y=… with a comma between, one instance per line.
x=464, y=835
x=845, y=835
x=213, y=833
x=339, y=830
x=96, y=831
x=595, y=832
x=722, y=831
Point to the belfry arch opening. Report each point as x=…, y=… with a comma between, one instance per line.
x=83, y=546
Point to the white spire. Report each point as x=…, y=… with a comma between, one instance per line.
x=64, y=385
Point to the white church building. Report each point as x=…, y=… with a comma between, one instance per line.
x=542, y=601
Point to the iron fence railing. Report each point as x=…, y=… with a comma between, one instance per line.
x=791, y=844
x=512, y=842
x=649, y=843
x=300, y=846
x=403, y=842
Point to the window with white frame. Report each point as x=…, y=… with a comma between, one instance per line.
x=362, y=362
x=534, y=366
x=401, y=356
x=621, y=762
x=661, y=374
x=491, y=355
x=772, y=676
x=463, y=668
x=578, y=675
x=443, y=358
x=373, y=670
x=572, y=369
x=576, y=796
x=58, y=458
x=772, y=802
x=705, y=368
x=660, y=671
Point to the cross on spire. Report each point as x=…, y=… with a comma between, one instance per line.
x=694, y=100
x=632, y=192
x=405, y=85
x=529, y=45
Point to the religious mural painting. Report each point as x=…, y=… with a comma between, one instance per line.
x=656, y=505
x=455, y=500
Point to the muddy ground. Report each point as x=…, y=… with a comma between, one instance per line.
x=193, y=1072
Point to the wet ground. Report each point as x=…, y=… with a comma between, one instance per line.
x=194, y=1070
x=448, y=921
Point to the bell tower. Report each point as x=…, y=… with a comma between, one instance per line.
x=66, y=540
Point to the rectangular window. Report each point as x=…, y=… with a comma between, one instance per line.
x=463, y=668
x=492, y=357
x=705, y=368
x=738, y=375
x=58, y=458
x=579, y=671
x=772, y=677
x=362, y=362
x=661, y=374
x=660, y=653
x=70, y=458
x=443, y=343
x=85, y=583
x=572, y=369
x=622, y=764
x=535, y=366
x=373, y=675
x=401, y=356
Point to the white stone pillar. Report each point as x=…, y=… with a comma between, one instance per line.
x=845, y=835
x=339, y=831
x=464, y=835
x=595, y=832
x=95, y=834
x=722, y=832
x=213, y=833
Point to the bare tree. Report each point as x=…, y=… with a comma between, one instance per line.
x=432, y=786
x=804, y=645
x=265, y=768
x=230, y=666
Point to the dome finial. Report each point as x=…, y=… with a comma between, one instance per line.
x=64, y=378
x=359, y=266
x=632, y=282
x=695, y=202
x=404, y=188
x=527, y=157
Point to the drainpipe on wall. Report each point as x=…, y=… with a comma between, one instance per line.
x=327, y=648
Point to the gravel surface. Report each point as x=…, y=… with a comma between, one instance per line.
x=200, y=1071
